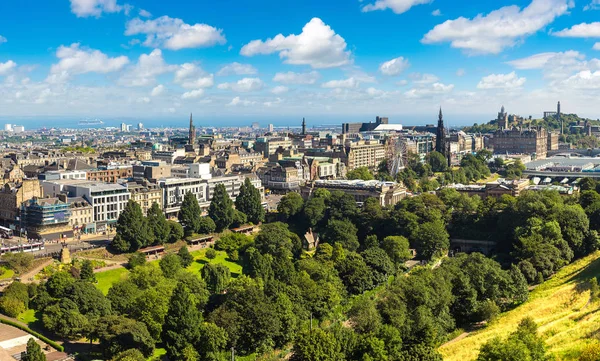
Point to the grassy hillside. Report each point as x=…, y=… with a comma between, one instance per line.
x=561, y=308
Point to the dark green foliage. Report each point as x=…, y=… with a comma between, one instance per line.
x=522, y=345
x=380, y=264
x=170, y=265
x=355, y=274
x=211, y=253
x=122, y=296
x=249, y=202
x=216, y=277
x=431, y=240
x=275, y=236
x=58, y=284
x=137, y=259
x=206, y=225
x=397, y=248
x=33, y=352
x=594, y=289
x=316, y=345
x=182, y=323
x=221, y=208
x=437, y=161
x=232, y=241
x=239, y=219
x=360, y=173
x=343, y=232
x=364, y=316
x=130, y=355
x=117, y=334
x=176, y=232
x=89, y=300
x=314, y=211
x=185, y=257
x=157, y=223
x=87, y=271
x=190, y=213
x=64, y=320
x=132, y=229
x=290, y=205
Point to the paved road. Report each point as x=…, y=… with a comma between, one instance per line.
x=76, y=245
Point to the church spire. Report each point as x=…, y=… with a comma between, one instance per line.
x=192, y=132
x=440, y=116
x=303, y=126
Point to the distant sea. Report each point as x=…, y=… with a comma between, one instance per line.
x=285, y=121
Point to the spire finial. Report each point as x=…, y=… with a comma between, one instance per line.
x=440, y=115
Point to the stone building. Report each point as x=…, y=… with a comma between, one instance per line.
x=521, y=141
x=364, y=154
x=13, y=195
x=145, y=194
x=387, y=193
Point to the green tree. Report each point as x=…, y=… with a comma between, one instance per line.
x=290, y=205
x=206, y=225
x=249, y=202
x=355, y=274
x=157, y=222
x=380, y=264
x=315, y=345
x=431, y=239
x=11, y=306
x=118, y=334
x=360, y=173
x=130, y=355
x=221, y=208
x=314, y=210
x=58, y=284
x=182, y=323
x=437, y=161
x=397, y=248
x=132, y=228
x=33, y=352
x=89, y=300
x=122, y=296
x=19, y=262
x=211, y=253
x=87, y=271
x=216, y=277
x=343, y=232
x=190, y=213
x=64, y=320
x=523, y=344
x=170, y=265
x=137, y=259
x=185, y=257
x=275, y=236
x=175, y=231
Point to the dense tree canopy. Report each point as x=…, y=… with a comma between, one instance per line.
x=249, y=202
x=221, y=208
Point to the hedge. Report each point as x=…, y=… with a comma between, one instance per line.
x=32, y=332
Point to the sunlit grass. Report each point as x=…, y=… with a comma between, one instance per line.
x=559, y=306
x=107, y=278
x=28, y=317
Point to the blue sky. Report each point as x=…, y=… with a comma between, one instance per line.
x=328, y=60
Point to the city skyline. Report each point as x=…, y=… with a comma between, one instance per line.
x=340, y=61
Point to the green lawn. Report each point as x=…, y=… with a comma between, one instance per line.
x=107, y=278
x=28, y=317
x=200, y=260
x=7, y=274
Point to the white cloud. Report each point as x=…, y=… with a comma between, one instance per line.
x=191, y=76
x=584, y=80
x=394, y=66
x=3, y=39
x=7, y=67
x=144, y=100
x=158, y=90
x=536, y=61
x=297, y=78
x=236, y=68
x=436, y=12
x=429, y=90
x=555, y=66
x=243, y=86
x=175, y=34
x=75, y=60
x=596, y=46
x=402, y=82
x=85, y=8
x=280, y=89
x=148, y=67
x=193, y=94
x=376, y=93
x=461, y=72
x=500, y=29
x=272, y=103
x=238, y=101
x=397, y=6
x=583, y=30
x=318, y=46
x=501, y=81
x=346, y=83
x=145, y=14
x=593, y=5
x=421, y=79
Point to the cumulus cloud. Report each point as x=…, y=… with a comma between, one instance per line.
x=158, y=90
x=148, y=67
x=86, y=8
x=297, y=78
x=584, y=80
x=243, y=85
x=345, y=83
x=596, y=46
x=174, y=34
x=420, y=79
x=397, y=6
x=501, y=81
x=500, y=29
x=583, y=30
x=429, y=90
x=3, y=39
x=7, y=67
x=236, y=68
x=318, y=46
x=191, y=76
x=280, y=89
x=593, y=5
x=76, y=60
x=237, y=101
x=145, y=14
x=193, y=94
x=555, y=66
x=394, y=66
x=436, y=12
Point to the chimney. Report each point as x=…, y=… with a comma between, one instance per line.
x=63, y=197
